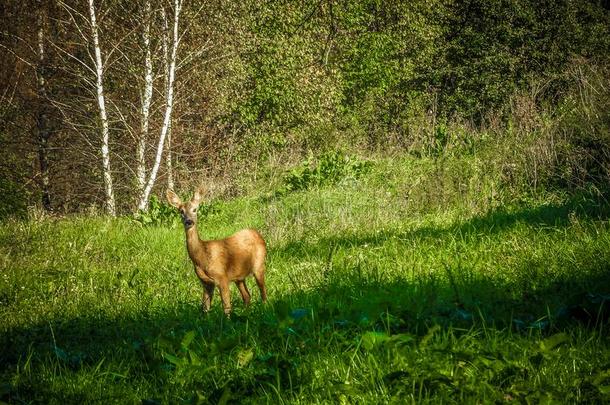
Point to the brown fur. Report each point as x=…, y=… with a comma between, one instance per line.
x=218, y=262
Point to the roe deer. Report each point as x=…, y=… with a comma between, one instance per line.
x=217, y=262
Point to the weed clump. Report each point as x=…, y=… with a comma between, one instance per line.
x=330, y=168
x=158, y=213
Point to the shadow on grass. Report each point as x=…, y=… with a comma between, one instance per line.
x=341, y=303
x=185, y=353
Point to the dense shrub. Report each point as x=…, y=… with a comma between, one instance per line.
x=371, y=68
x=584, y=124
x=565, y=146
x=12, y=200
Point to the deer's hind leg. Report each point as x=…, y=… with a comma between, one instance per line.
x=259, y=276
x=225, y=295
x=243, y=289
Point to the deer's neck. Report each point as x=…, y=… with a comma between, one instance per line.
x=195, y=246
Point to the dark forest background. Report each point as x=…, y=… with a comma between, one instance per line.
x=265, y=84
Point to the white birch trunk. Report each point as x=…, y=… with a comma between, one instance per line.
x=99, y=70
x=168, y=159
x=147, y=93
x=169, y=103
x=168, y=153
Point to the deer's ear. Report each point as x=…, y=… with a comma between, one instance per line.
x=173, y=199
x=198, y=196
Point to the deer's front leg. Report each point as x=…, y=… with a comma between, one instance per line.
x=208, y=294
x=225, y=295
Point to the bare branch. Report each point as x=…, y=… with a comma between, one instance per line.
x=69, y=55
x=27, y=62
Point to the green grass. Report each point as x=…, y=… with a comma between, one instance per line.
x=414, y=283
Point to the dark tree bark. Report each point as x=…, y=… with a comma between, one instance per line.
x=43, y=127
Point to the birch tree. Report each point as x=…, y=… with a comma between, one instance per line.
x=146, y=100
x=101, y=101
x=166, y=64
x=169, y=104
x=42, y=114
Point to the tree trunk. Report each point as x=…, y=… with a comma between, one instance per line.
x=99, y=69
x=147, y=93
x=168, y=153
x=42, y=115
x=168, y=160
x=169, y=103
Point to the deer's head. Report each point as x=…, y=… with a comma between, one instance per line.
x=188, y=209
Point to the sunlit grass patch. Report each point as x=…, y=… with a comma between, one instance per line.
x=373, y=299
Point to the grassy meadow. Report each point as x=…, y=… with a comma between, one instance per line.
x=402, y=280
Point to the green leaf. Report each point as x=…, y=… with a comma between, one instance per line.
x=226, y=396
x=173, y=359
x=372, y=339
x=554, y=341
x=402, y=339
x=601, y=381
x=345, y=388
x=244, y=357
x=429, y=335
x=604, y=389
x=187, y=339
x=194, y=359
